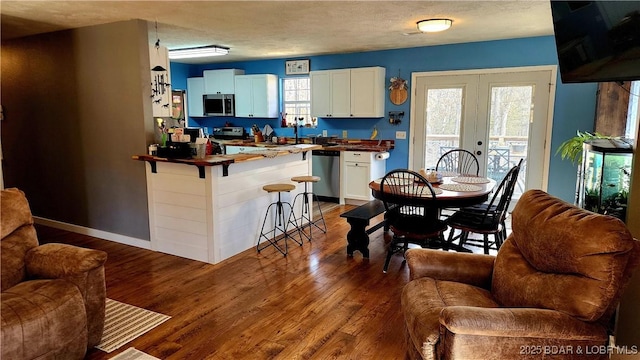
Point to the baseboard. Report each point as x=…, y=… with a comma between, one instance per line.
x=122, y=239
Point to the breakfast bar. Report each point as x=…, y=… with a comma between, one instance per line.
x=212, y=208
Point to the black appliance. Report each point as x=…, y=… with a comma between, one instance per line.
x=220, y=134
x=326, y=165
x=194, y=133
x=175, y=150
x=229, y=133
x=597, y=41
x=219, y=104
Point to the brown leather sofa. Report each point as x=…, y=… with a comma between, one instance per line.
x=53, y=295
x=550, y=292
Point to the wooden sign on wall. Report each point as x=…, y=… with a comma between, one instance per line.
x=612, y=107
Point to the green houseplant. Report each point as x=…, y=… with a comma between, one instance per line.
x=571, y=149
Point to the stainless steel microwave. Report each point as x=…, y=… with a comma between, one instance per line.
x=218, y=104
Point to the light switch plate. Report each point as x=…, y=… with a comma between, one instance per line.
x=344, y=134
x=401, y=135
x=324, y=133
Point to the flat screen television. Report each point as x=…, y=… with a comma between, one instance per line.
x=597, y=41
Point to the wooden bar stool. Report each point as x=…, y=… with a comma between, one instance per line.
x=280, y=223
x=305, y=213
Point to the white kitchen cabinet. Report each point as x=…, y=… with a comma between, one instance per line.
x=368, y=92
x=330, y=93
x=220, y=81
x=257, y=96
x=195, y=90
x=348, y=93
x=160, y=81
x=359, y=168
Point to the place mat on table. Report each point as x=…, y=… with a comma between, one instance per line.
x=470, y=180
x=425, y=193
x=460, y=187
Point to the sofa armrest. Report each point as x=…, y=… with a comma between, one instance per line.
x=82, y=267
x=55, y=261
x=519, y=322
x=472, y=269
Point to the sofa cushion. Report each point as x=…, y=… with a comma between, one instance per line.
x=43, y=319
x=424, y=298
x=15, y=211
x=18, y=236
x=561, y=257
x=13, y=250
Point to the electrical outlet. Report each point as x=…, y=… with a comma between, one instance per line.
x=344, y=134
x=401, y=135
x=324, y=133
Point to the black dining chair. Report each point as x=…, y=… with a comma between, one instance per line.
x=487, y=218
x=406, y=195
x=458, y=161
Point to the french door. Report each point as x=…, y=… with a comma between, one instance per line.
x=501, y=115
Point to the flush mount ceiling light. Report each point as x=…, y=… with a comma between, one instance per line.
x=434, y=25
x=202, y=51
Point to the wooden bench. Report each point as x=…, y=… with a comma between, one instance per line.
x=358, y=218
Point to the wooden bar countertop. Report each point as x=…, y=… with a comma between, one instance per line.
x=213, y=160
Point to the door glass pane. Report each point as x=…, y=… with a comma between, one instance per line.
x=443, y=119
x=510, y=115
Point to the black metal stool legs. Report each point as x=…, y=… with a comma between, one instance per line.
x=305, y=214
x=279, y=230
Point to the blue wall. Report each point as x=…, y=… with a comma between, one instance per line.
x=574, y=103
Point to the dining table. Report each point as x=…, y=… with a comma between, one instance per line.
x=452, y=190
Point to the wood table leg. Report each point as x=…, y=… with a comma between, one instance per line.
x=357, y=237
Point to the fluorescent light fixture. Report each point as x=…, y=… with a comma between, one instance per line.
x=196, y=52
x=434, y=25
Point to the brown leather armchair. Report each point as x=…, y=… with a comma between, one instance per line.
x=550, y=292
x=53, y=296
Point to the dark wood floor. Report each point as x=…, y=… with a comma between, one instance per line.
x=316, y=303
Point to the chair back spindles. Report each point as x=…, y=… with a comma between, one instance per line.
x=459, y=161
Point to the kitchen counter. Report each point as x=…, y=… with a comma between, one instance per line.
x=270, y=151
x=335, y=144
x=211, y=209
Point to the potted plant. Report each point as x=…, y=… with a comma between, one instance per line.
x=572, y=149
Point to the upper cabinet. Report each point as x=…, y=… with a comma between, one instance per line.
x=220, y=81
x=256, y=96
x=195, y=91
x=160, y=81
x=347, y=93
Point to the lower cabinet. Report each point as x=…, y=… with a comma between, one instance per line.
x=359, y=168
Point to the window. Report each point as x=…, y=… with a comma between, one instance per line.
x=297, y=100
x=634, y=110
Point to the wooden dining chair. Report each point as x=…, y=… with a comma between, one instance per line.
x=410, y=216
x=487, y=218
x=458, y=161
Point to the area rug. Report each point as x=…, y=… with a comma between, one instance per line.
x=124, y=322
x=133, y=354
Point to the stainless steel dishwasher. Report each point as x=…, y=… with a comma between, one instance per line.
x=326, y=165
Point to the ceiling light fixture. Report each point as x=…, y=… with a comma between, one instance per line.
x=434, y=25
x=202, y=51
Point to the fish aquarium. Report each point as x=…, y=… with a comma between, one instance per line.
x=606, y=169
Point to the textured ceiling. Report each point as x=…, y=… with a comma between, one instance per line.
x=276, y=29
